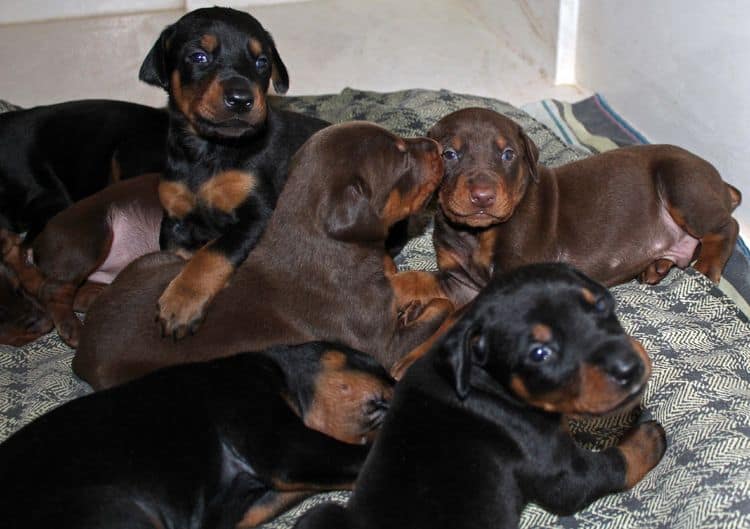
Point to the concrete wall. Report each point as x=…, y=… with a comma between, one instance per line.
x=679, y=71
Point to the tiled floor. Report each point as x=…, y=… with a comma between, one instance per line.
x=326, y=44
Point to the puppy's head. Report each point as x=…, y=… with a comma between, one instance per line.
x=21, y=319
x=489, y=162
x=216, y=64
x=363, y=179
x=546, y=335
x=336, y=390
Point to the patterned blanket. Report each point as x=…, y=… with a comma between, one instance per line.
x=697, y=337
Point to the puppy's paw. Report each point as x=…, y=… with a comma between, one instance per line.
x=181, y=309
x=409, y=312
x=642, y=448
x=656, y=271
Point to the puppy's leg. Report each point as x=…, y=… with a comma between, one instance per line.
x=56, y=297
x=586, y=476
x=422, y=343
x=326, y=516
x=702, y=204
x=716, y=248
x=269, y=506
x=656, y=271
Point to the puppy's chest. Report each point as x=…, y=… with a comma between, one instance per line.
x=211, y=191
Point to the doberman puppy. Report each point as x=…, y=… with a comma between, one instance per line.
x=223, y=444
x=54, y=155
x=228, y=150
x=79, y=251
x=476, y=428
x=320, y=271
x=632, y=212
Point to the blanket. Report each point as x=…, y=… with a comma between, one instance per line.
x=698, y=339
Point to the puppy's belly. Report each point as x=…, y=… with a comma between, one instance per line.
x=673, y=242
x=135, y=232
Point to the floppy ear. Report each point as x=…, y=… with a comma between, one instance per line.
x=352, y=217
x=279, y=75
x=532, y=155
x=154, y=68
x=464, y=345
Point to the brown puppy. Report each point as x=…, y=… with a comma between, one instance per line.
x=320, y=271
x=632, y=212
x=79, y=251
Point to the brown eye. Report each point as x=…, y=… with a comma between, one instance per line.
x=450, y=154
x=508, y=155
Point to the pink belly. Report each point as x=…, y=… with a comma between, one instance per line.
x=135, y=232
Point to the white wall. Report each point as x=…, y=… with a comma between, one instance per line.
x=679, y=71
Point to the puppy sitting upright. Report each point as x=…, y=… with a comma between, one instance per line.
x=476, y=428
x=228, y=151
x=631, y=212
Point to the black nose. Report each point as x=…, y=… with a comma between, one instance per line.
x=237, y=94
x=624, y=369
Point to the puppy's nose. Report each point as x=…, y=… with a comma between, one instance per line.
x=237, y=95
x=482, y=196
x=624, y=369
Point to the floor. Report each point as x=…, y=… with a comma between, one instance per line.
x=326, y=44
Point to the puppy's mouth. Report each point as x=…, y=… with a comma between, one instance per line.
x=476, y=219
x=233, y=127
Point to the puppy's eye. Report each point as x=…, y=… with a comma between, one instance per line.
x=261, y=63
x=508, y=155
x=539, y=352
x=450, y=154
x=198, y=57
x=601, y=305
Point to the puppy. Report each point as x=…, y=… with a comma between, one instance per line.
x=476, y=427
x=229, y=443
x=79, y=252
x=632, y=212
x=228, y=150
x=52, y=156
x=320, y=271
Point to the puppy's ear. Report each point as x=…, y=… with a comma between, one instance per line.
x=352, y=218
x=279, y=75
x=154, y=69
x=532, y=155
x=464, y=346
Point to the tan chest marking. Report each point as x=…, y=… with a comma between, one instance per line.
x=176, y=198
x=484, y=254
x=226, y=191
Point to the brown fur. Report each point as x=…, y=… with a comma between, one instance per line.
x=632, y=212
x=319, y=272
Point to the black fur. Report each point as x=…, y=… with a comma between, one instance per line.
x=461, y=448
x=191, y=446
x=54, y=155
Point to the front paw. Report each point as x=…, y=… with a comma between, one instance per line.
x=642, y=448
x=180, y=309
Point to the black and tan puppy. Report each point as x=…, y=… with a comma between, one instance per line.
x=228, y=150
x=632, y=212
x=476, y=427
x=54, y=155
x=224, y=444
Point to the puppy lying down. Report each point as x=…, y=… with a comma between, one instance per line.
x=477, y=427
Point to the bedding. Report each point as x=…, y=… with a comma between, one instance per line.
x=697, y=336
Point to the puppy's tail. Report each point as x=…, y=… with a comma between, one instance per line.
x=734, y=195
